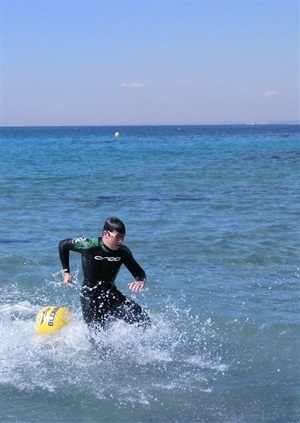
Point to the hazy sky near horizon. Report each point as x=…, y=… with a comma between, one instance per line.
x=149, y=62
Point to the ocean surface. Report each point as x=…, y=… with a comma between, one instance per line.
x=213, y=216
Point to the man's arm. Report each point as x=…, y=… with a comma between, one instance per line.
x=64, y=248
x=136, y=270
x=73, y=244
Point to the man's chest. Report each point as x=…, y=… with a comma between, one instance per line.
x=99, y=257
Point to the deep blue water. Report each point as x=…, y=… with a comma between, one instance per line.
x=212, y=214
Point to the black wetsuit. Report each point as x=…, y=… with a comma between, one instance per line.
x=100, y=298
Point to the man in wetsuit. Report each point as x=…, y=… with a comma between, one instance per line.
x=102, y=258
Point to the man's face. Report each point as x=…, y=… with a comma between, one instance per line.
x=113, y=240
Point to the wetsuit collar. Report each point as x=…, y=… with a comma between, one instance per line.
x=104, y=247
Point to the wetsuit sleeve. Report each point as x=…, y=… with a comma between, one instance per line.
x=64, y=248
x=132, y=265
x=74, y=244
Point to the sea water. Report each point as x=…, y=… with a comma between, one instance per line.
x=212, y=215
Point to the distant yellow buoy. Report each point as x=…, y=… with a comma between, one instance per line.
x=51, y=319
x=117, y=134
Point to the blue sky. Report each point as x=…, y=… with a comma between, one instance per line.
x=149, y=62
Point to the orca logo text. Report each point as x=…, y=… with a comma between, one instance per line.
x=107, y=258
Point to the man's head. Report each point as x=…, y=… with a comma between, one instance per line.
x=113, y=233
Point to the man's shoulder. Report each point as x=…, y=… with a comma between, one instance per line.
x=84, y=243
x=125, y=249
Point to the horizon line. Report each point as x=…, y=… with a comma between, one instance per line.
x=152, y=124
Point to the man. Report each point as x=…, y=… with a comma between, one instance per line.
x=102, y=258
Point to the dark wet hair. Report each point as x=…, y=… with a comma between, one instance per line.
x=114, y=224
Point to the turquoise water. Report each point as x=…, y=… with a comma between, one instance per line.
x=212, y=214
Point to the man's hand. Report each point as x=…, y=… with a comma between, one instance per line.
x=68, y=279
x=136, y=286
